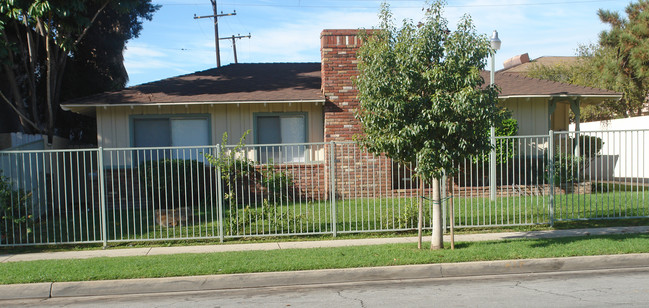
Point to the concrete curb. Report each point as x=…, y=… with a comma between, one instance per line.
x=315, y=277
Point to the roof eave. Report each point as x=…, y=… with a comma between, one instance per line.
x=587, y=98
x=74, y=107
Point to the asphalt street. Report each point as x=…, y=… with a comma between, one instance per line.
x=597, y=288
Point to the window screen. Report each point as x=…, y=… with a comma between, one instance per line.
x=281, y=129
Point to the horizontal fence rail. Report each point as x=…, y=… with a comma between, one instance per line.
x=220, y=192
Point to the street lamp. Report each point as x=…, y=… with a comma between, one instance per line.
x=495, y=45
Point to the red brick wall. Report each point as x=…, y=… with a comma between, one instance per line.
x=339, y=66
x=354, y=169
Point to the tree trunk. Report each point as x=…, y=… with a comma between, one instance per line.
x=438, y=234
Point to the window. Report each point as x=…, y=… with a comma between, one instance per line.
x=281, y=128
x=167, y=131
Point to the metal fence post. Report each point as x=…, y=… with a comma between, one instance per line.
x=102, y=196
x=551, y=174
x=332, y=187
x=219, y=195
x=492, y=164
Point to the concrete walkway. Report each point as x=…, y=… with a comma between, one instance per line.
x=152, y=251
x=256, y=280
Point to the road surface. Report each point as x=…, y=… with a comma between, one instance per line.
x=603, y=288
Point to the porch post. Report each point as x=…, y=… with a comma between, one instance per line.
x=552, y=105
x=574, y=106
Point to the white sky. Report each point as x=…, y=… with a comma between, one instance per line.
x=174, y=43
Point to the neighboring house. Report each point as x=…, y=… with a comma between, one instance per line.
x=520, y=64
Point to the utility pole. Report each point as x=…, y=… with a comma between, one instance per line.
x=234, y=45
x=216, y=28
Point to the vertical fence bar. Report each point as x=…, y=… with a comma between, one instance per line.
x=102, y=197
x=332, y=187
x=492, y=164
x=219, y=195
x=551, y=174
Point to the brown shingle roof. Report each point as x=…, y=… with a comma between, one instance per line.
x=284, y=82
x=514, y=84
x=547, y=61
x=263, y=82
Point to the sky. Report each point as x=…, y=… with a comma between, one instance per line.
x=173, y=43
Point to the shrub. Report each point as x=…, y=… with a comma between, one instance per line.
x=407, y=219
x=235, y=171
x=265, y=219
x=175, y=181
x=566, y=169
x=504, y=147
x=279, y=184
x=14, y=212
x=589, y=146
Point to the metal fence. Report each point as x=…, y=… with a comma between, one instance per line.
x=215, y=192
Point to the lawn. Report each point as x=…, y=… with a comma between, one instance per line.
x=289, y=217
x=310, y=259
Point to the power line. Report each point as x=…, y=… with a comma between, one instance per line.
x=234, y=44
x=216, y=29
x=347, y=4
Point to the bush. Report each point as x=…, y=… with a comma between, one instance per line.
x=235, y=172
x=279, y=184
x=589, y=146
x=265, y=219
x=504, y=147
x=175, y=181
x=408, y=218
x=566, y=169
x=14, y=212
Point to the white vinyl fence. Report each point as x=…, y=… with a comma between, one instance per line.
x=214, y=192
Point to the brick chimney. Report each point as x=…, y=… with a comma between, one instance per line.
x=339, y=66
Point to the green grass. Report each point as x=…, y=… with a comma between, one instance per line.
x=309, y=259
x=362, y=214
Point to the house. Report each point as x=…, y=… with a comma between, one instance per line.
x=521, y=64
x=289, y=103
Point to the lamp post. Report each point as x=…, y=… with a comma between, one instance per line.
x=495, y=45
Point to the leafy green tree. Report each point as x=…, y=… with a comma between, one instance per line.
x=40, y=38
x=626, y=65
x=422, y=98
x=620, y=62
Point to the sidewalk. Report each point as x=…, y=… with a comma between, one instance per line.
x=274, y=279
x=151, y=251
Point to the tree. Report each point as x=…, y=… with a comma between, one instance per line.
x=422, y=98
x=620, y=62
x=40, y=38
x=626, y=65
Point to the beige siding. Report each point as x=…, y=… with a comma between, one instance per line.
x=561, y=117
x=531, y=114
x=114, y=123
